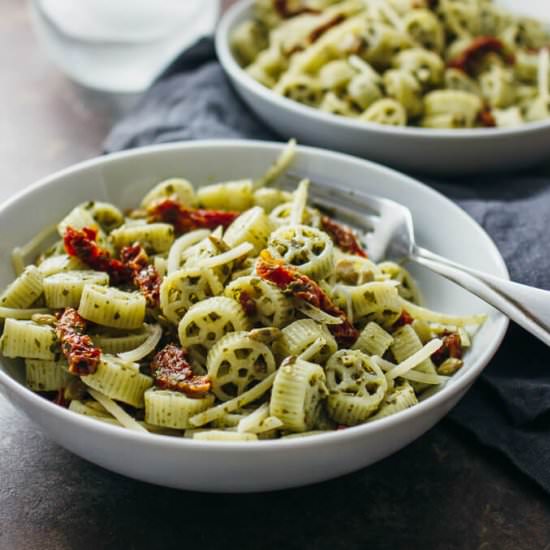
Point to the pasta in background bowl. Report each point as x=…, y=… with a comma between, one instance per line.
x=351, y=77
x=115, y=317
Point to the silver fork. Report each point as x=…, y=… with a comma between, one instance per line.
x=389, y=234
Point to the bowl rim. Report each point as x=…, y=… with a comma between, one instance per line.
x=236, y=73
x=442, y=396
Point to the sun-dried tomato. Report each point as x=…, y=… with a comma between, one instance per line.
x=145, y=277
x=487, y=119
x=451, y=347
x=186, y=219
x=343, y=237
x=404, y=319
x=481, y=45
x=81, y=243
x=283, y=9
x=247, y=303
x=302, y=287
x=79, y=350
x=171, y=371
x=316, y=33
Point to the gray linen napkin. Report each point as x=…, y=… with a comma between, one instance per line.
x=509, y=407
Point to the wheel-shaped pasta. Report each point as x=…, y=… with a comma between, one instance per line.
x=425, y=29
x=208, y=321
x=386, y=111
x=43, y=375
x=280, y=215
x=331, y=103
x=364, y=90
x=300, y=87
x=28, y=339
x=335, y=74
x=264, y=302
x=64, y=289
x=251, y=226
x=461, y=105
x=171, y=409
x=353, y=270
x=297, y=395
x=119, y=380
x=401, y=397
x=25, y=290
x=498, y=87
x=268, y=198
x=404, y=88
x=455, y=79
x=105, y=214
x=356, y=385
x=236, y=363
x=460, y=18
x=231, y=195
x=154, y=237
x=308, y=249
x=179, y=188
x=183, y=288
x=426, y=66
x=383, y=42
x=111, y=307
x=407, y=288
x=300, y=335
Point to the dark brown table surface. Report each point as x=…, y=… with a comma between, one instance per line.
x=443, y=491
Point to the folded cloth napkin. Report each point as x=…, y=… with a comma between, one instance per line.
x=509, y=407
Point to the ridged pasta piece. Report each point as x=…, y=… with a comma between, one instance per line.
x=402, y=86
x=114, y=342
x=498, y=87
x=44, y=375
x=464, y=107
x=247, y=40
x=231, y=195
x=172, y=409
x=25, y=290
x=64, y=289
x=425, y=29
x=406, y=343
x=175, y=256
x=268, y=198
x=105, y=214
x=58, y=263
x=299, y=335
x=308, y=249
x=378, y=301
x=386, y=111
x=209, y=320
x=182, y=289
x=407, y=288
x=336, y=74
x=119, y=380
x=179, y=188
x=356, y=384
x=400, y=398
x=426, y=66
x=236, y=363
x=373, y=340
x=239, y=402
x=28, y=339
x=364, y=89
x=272, y=307
x=16, y=313
x=154, y=237
x=251, y=226
x=455, y=79
x=280, y=216
x=111, y=307
x=221, y=435
x=298, y=391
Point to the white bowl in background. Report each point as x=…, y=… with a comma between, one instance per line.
x=264, y=465
x=430, y=151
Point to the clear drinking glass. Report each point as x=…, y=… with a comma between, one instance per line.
x=120, y=46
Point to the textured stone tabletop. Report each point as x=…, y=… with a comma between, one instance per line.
x=443, y=491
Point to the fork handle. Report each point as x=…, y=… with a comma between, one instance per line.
x=529, y=307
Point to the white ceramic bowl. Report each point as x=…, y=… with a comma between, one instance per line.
x=442, y=152
x=235, y=467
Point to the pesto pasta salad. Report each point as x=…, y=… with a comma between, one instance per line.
x=234, y=311
x=426, y=63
